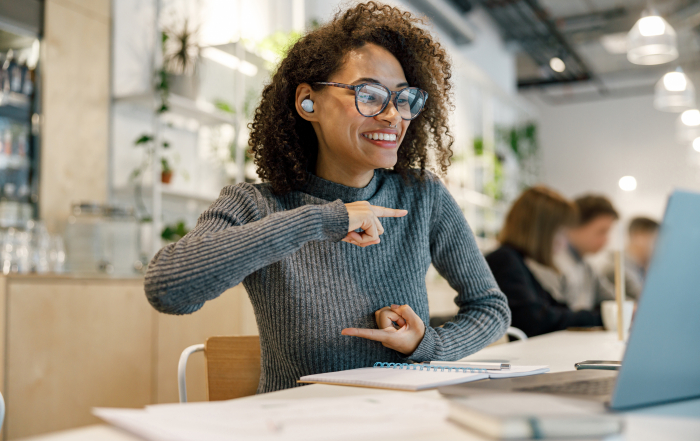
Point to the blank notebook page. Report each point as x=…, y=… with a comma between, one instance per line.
x=401, y=379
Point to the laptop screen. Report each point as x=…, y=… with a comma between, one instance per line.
x=662, y=360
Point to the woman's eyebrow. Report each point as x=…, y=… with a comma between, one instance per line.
x=372, y=80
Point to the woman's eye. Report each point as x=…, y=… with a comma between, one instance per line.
x=366, y=98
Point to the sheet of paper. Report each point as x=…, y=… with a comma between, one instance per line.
x=518, y=371
x=340, y=418
x=389, y=378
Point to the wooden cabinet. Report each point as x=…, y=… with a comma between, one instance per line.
x=69, y=344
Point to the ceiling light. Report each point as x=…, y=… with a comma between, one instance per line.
x=557, y=64
x=696, y=144
x=674, y=92
x=675, y=81
x=652, y=26
x=628, y=183
x=651, y=41
x=691, y=118
x=688, y=126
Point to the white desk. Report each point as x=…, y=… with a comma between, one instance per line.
x=559, y=350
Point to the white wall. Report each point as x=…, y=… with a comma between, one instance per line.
x=587, y=147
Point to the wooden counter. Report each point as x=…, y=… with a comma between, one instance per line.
x=71, y=343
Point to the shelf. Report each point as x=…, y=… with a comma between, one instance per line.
x=15, y=162
x=204, y=112
x=14, y=105
x=188, y=195
x=168, y=193
x=14, y=99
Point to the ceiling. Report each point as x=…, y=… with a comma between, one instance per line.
x=574, y=30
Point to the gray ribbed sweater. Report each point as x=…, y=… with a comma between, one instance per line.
x=306, y=285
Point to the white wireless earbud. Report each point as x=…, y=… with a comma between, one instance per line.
x=308, y=105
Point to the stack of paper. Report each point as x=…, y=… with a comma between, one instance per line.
x=341, y=418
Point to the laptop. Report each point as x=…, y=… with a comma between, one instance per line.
x=662, y=359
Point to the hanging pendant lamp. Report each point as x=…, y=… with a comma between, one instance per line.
x=651, y=40
x=674, y=92
x=688, y=126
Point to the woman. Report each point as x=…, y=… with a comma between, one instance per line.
x=322, y=259
x=534, y=227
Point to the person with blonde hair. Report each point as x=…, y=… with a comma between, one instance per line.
x=535, y=228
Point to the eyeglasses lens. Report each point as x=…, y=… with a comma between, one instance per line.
x=410, y=102
x=371, y=99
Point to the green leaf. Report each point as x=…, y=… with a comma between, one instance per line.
x=478, y=146
x=224, y=106
x=144, y=139
x=174, y=232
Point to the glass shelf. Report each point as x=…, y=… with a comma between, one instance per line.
x=14, y=99
x=14, y=162
x=204, y=112
x=14, y=105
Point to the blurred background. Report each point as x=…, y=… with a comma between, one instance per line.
x=121, y=120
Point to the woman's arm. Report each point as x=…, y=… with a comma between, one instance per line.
x=233, y=239
x=534, y=313
x=483, y=311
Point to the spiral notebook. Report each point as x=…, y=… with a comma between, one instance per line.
x=414, y=377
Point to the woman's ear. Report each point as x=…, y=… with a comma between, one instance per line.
x=304, y=102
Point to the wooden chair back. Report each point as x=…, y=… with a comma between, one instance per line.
x=233, y=366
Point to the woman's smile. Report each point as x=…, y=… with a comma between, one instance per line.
x=385, y=138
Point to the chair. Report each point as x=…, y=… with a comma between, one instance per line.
x=232, y=367
x=2, y=410
x=516, y=333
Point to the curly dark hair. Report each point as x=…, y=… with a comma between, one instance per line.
x=284, y=145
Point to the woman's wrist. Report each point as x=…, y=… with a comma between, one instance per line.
x=334, y=220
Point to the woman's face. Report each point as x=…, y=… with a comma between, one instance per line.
x=343, y=133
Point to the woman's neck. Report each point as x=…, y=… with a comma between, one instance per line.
x=343, y=174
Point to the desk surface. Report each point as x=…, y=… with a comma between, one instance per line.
x=559, y=350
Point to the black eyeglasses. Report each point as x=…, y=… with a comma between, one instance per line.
x=372, y=98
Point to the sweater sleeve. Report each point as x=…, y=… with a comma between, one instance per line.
x=534, y=313
x=231, y=240
x=483, y=311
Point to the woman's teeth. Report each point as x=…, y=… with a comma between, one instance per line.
x=380, y=136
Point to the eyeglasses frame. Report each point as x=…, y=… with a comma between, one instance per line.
x=393, y=97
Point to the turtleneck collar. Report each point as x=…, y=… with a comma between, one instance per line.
x=330, y=191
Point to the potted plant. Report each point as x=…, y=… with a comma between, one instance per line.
x=180, y=54
x=166, y=173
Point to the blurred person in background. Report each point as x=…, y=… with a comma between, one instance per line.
x=582, y=287
x=534, y=229
x=641, y=236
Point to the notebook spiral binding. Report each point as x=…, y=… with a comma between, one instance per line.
x=426, y=367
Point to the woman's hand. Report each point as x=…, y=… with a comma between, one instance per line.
x=405, y=339
x=366, y=216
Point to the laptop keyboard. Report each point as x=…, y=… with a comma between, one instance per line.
x=598, y=386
